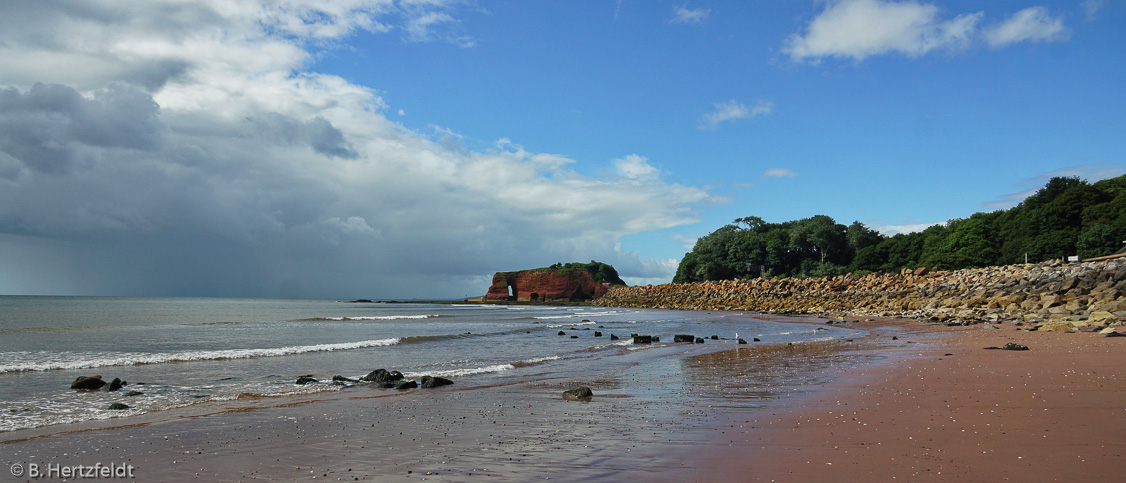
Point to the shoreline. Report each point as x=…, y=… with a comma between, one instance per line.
x=758, y=422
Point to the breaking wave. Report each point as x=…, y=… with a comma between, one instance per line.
x=377, y=317
x=71, y=360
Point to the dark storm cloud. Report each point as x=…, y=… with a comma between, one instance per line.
x=318, y=133
x=171, y=148
x=43, y=127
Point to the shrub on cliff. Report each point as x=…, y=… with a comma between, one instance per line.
x=600, y=272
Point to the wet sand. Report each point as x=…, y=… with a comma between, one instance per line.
x=871, y=408
x=945, y=410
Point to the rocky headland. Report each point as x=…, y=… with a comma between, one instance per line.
x=1045, y=296
x=545, y=285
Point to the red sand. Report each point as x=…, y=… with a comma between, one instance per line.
x=948, y=411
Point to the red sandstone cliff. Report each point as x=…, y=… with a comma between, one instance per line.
x=545, y=285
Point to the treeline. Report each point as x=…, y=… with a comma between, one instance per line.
x=1068, y=216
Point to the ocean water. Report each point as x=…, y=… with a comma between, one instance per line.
x=187, y=351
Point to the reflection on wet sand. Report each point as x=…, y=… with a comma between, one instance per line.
x=748, y=377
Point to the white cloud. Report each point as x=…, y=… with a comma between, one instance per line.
x=636, y=168
x=687, y=241
x=1029, y=186
x=181, y=149
x=685, y=15
x=779, y=173
x=890, y=230
x=433, y=20
x=1033, y=24
x=1092, y=7
x=733, y=110
x=859, y=29
x=654, y=272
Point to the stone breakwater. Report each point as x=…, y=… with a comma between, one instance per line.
x=1048, y=296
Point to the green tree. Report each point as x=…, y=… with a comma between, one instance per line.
x=819, y=236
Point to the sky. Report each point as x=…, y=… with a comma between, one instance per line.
x=412, y=148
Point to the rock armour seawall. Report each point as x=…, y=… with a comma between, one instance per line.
x=1068, y=295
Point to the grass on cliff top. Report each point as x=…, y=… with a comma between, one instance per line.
x=600, y=272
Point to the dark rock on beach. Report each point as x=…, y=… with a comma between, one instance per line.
x=114, y=385
x=305, y=380
x=404, y=384
x=578, y=394
x=683, y=338
x=88, y=383
x=118, y=406
x=343, y=379
x=133, y=393
x=429, y=382
x=614, y=337
x=382, y=376
x=1011, y=346
x=642, y=339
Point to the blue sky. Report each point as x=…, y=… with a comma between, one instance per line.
x=385, y=148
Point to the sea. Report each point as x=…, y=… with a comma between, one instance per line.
x=178, y=352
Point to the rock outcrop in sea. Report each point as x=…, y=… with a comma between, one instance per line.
x=1047, y=296
x=545, y=284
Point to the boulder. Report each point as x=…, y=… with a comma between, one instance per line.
x=382, y=376
x=578, y=394
x=429, y=382
x=303, y=380
x=88, y=383
x=343, y=379
x=404, y=384
x=742, y=341
x=683, y=338
x=1011, y=346
x=642, y=339
x=114, y=385
x=118, y=406
x=1055, y=326
x=1100, y=316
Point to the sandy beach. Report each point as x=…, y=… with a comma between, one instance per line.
x=908, y=401
x=946, y=409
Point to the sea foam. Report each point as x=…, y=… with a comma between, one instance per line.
x=46, y=361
